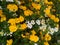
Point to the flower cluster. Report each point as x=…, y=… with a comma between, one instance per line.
x=28, y=22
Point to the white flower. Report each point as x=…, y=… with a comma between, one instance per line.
x=10, y=0
x=11, y=32
x=5, y=34
x=14, y=14
x=42, y=21
x=51, y=31
x=0, y=0
x=46, y=15
x=29, y=25
x=10, y=35
x=27, y=22
x=0, y=7
x=19, y=2
x=38, y=22
x=40, y=27
x=35, y=44
x=43, y=27
x=56, y=29
x=32, y=22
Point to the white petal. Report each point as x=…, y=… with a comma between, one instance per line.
x=38, y=22
x=10, y=0
x=35, y=44
x=11, y=32
x=29, y=25
x=40, y=27
x=52, y=30
x=0, y=7
x=27, y=22
x=19, y=2
x=55, y=29
x=42, y=21
x=32, y=22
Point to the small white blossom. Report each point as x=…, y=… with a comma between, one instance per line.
x=11, y=32
x=43, y=27
x=10, y=0
x=27, y=22
x=42, y=21
x=35, y=44
x=46, y=15
x=14, y=14
x=58, y=41
x=32, y=22
x=29, y=25
x=10, y=35
x=40, y=27
x=19, y=2
x=0, y=7
x=51, y=31
x=38, y=22
x=56, y=29
x=0, y=0
x=5, y=34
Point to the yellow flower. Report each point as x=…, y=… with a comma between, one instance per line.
x=13, y=28
x=34, y=38
x=9, y=42
x=11, y=21
x=36, y=6
x=23, y=7
x=28, y=12
x=49, y=15
x=3, y=19
x=17, y=20
x=23, y=35
x=47, y=37
x=23, y=26
x=12, y=7
x=46, y=43
x=52, y=17
x=33, y=32
x=47, y=10
x=26, y=35
x=1, y=12
x=40, y=32
x=49, y=3
x=56, y=20
x=21, y=18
